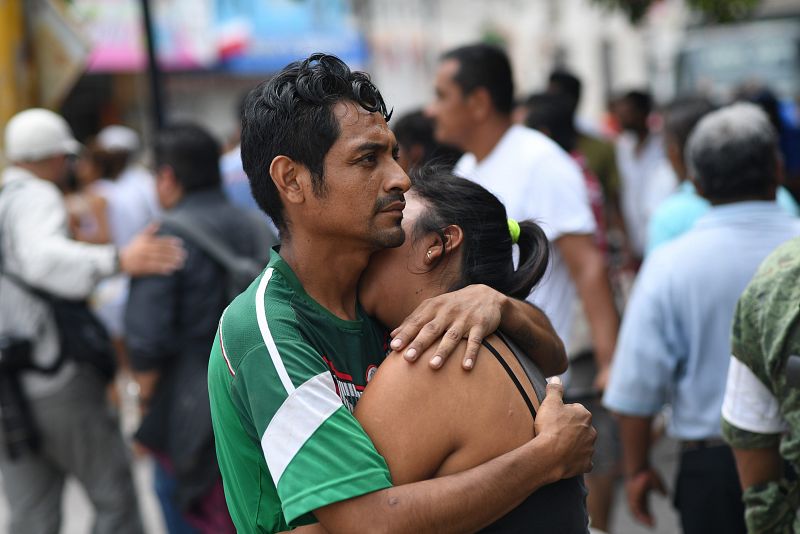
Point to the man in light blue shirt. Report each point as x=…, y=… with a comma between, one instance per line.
x=679, y=211
x=674, y=343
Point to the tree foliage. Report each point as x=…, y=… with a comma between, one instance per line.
x=712, y=10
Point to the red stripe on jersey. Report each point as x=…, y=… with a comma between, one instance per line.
x=224, y=353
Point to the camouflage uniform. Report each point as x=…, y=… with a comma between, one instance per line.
x=766, y=331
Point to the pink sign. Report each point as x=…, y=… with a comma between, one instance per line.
x=115, y=31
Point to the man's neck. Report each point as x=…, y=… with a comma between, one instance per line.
x=35, y=169
x=642, y=134
x=747, y=198
x=486, y=136
x=327, y=270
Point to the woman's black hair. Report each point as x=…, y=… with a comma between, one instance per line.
x=487, y=247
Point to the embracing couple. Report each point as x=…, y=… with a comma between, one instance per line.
x=469, y=447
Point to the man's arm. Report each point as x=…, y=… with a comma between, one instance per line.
x=530, y=328
x=51, y=261
x=473, y=313
x=468, y=501
x=758, y=466
x=588, y=270
x=150, y=329
x=640, y=477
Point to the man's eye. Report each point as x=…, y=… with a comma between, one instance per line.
x=369, y=158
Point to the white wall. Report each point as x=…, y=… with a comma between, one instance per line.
x=407, y=37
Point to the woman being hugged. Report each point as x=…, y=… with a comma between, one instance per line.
x=428, y=424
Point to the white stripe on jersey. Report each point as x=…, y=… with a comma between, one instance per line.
x=261, y=315
x=300, y=415
x=748, y=404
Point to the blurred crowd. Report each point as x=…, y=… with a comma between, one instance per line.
x=658, y=217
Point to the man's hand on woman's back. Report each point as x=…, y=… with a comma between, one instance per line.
x=569, y=428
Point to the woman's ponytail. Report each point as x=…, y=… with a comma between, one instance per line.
x=534, y=253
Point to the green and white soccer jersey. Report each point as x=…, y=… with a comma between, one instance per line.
x=284, y=375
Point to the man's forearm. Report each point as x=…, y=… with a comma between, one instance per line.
x=463, y=502
x=594, y=290
x=530, y=328
x=758, y=466
x=635, y=436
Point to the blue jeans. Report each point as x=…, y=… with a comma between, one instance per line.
x=165, y=484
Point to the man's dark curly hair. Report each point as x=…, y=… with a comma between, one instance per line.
x=292, y=115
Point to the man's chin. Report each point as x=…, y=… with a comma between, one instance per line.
x=390, y=238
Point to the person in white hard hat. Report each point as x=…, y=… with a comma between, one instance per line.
x=131, y=204
x=65, y=427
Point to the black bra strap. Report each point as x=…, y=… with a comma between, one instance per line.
x=513, y=377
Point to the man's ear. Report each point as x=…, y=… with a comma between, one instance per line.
x=287, y=175
x=453, y=238
x=166, y=174
x=479, y=103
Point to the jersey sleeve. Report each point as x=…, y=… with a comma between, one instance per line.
x=315, y=450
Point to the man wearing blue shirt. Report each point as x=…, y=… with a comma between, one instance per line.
x=678, y=212
x=674, y=342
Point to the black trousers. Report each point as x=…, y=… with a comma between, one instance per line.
x=707, y=493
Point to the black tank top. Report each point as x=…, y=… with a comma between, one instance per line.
x=556, y=508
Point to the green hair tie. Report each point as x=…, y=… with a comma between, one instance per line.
x=513, y=229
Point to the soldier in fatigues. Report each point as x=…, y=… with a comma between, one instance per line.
x=761, y=411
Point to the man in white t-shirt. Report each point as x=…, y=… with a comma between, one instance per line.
x=646, y=175
x=535, y=179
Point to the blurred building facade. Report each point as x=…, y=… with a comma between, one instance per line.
x=212, y=51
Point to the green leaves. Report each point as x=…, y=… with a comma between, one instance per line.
x=712, y=10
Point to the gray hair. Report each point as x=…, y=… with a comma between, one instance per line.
x=733, y=153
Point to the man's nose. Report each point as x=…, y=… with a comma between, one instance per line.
x=398, y=179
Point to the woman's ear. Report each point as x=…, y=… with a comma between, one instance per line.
x=453, y=238
x=286, y=175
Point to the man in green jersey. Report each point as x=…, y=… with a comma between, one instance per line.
x=295, y=350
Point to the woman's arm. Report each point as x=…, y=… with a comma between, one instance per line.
x=473, y=313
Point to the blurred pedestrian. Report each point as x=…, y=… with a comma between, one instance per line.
x=553, y=115
x=680, y=210
x=762, y=396
x=674, y=343
x=785, y=118
x=414, y=133
x=646, y=176
x=599, y=152
x=129, y=191
x=234, y=180
x=171, y=321
x=129, y=188
x=535, y=179
x=88, y=211
x=67, y=427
